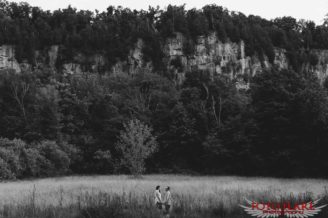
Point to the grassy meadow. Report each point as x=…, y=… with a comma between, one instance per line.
x=123, y=196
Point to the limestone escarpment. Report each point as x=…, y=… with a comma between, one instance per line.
x=7, y=58
x=208, y=53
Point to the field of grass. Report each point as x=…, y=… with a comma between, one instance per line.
x=123, y=196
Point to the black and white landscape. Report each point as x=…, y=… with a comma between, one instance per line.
x=97, y=108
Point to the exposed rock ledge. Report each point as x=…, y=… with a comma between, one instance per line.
x=209, y=54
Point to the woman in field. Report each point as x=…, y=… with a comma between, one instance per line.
x=167, y=202
x=158, y=197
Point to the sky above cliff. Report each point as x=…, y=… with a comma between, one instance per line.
x=306, y=9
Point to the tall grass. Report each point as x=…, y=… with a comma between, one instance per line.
x=119, y=196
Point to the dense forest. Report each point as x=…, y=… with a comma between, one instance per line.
x=54, y=124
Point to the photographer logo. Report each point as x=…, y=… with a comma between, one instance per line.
x=285, y=209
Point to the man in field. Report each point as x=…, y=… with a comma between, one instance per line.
x=167, y=202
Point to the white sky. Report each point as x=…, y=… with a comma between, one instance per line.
x=307, y=9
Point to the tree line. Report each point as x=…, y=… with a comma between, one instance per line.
x=115, y=31
x=97, y=123
x=54, y=124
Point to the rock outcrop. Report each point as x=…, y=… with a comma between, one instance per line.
x=7, y=58
x=208, y=54
x=134, y=62
x=321, y=69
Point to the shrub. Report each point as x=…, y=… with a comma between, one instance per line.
x=33, y=163
x=5, y=172
x=104, y=162
x=9, y=155
x=58, y=161
x=20, y=160
x=11, y=158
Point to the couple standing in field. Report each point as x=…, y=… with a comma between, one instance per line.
x=164, y=204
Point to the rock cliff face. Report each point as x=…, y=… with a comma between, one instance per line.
x=7, y=58
x=321, y=69
x=221, y=58
x=134, y=62
x=208, y=54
